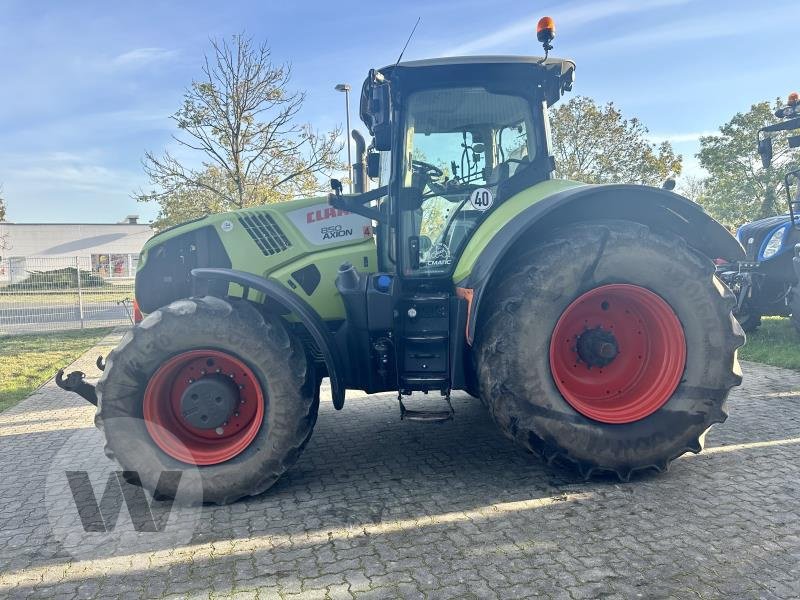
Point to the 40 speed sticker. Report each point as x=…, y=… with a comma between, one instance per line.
x=322, y=224
x=481, y=199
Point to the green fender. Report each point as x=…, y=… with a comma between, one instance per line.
x=535, y=212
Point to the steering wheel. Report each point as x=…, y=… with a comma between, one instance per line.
x=426, y=169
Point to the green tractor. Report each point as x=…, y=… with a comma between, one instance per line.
x=587, y=318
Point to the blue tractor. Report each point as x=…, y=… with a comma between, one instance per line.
x=767, y=283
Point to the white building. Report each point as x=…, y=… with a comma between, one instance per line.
x=108, y=249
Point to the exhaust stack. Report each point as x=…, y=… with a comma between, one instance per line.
x=360, y=183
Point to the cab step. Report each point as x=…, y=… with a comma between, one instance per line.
x=426, y=416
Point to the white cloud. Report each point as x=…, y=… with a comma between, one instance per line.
x=60, y=171
x=724, y=24
x=576, y=15
x=63, y=186
x=143, y=56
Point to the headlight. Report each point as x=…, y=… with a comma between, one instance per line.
x=773, y=243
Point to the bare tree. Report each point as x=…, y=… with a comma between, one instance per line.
x=693, y=188
x=242, y=120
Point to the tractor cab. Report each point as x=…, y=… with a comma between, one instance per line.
x=453, y=139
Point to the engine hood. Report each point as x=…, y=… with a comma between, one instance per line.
x=757, y=231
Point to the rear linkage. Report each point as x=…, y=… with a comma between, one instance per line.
x=76, y=382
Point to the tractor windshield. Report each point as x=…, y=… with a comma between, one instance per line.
x=460, y=144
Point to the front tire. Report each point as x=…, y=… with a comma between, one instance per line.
x=609, y=346
x=251, y=366
x=748, y=318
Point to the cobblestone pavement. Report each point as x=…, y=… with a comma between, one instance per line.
x=376, y=508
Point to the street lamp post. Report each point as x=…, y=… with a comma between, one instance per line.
x=345, y=87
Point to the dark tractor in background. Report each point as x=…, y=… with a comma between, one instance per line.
x=767, y=283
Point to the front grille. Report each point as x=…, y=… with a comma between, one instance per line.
x=265, y=232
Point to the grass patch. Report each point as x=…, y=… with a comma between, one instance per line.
x=774, y=343
x=110, y=294
x=27, y=361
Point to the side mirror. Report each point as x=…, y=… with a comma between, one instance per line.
x=380, y=110
x=765, y=150
x=373, y=165
x=567, y=80
x=383, y=136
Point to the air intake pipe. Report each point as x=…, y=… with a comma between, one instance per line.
x=360, y=184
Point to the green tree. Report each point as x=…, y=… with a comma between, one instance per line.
x=596, y=144
x=240, y=121
x=739, y=189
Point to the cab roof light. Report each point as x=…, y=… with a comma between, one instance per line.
x=546, y=31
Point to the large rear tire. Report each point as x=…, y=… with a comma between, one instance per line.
x=250, y=361
x=608, y=346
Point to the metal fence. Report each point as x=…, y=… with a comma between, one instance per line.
x=52, y=294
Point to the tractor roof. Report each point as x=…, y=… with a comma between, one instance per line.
x=553, y=76
x=537, y=61
x=556, y=74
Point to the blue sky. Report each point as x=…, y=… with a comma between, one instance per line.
x=87, y=87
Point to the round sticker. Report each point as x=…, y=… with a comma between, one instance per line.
x=226, y=226
x=481, y=199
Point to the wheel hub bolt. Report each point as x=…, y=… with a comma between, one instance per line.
x=209, y=402
x=597, y=347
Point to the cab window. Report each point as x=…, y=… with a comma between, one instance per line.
x=460, y=144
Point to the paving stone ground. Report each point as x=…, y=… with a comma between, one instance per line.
x=376, y=508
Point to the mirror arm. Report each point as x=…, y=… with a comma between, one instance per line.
x=356, y=203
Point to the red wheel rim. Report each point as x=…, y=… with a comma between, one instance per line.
x=168, y=425
x=617, y=353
